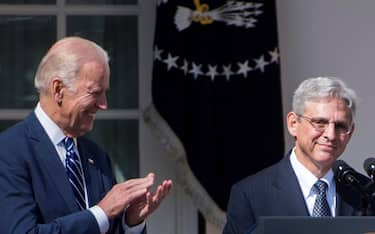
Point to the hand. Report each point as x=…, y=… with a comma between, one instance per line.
x=144, y=205
x=124, y=194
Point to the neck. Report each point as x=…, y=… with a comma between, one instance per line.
x=315, y=168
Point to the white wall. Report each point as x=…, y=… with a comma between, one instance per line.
x=335, y=38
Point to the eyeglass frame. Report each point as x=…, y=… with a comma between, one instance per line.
x=314, y=124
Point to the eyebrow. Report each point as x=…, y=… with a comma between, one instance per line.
x=327, y=119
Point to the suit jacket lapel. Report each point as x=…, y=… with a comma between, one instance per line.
x=46, y=154
x=93, y=177
x=287, y=188
x=98, y=176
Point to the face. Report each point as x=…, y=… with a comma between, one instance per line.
x=79, y=107
x=317, y=150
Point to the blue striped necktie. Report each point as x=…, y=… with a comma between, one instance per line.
x=321, y=207
x=74, y=172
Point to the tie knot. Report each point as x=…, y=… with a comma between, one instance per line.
x=321, y=186
x=68, y=142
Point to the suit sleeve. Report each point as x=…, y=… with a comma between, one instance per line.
x=20, y=212
x=240, y=218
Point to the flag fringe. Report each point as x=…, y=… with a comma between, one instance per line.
x=202, y=200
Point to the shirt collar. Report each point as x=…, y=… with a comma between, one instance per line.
x=305, y=178
x=53, y=131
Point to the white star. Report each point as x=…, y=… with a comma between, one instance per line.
x=243, y=68
x=274, y=56
x=260, y=63
x=196, y=70
x=185, y=67
x=157, y=53
x=227, y=72
x=212, y=72
x=170, y=61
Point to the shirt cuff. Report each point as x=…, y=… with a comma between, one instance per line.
x=101, y=218
x=137, y=229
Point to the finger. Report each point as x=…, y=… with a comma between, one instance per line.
x=169, y=185
x=165, y=188
x=162, y=191
x=147, y=180
x=135, y=189
x=135, y=185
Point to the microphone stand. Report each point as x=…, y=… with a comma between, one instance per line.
x=367, y=198
x=364, y=190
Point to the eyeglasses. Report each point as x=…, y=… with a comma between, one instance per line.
x=321, y=124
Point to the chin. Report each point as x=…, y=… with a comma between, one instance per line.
x=88, y=128
x=85, y=129
x=327, y=159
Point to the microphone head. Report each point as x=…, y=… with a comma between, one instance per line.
x=342, y=171
x=346, y=175
x=339, y=166
x=369, y=166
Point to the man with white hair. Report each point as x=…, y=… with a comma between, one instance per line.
x=52, y=178
x=302, y=183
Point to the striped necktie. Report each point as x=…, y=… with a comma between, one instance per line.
x=321, y=207
x=74, y=172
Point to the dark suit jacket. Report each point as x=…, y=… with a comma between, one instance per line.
x=275, y=191
x=35, y=195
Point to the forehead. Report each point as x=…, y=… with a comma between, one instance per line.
x=328, y=108
x=94, y=73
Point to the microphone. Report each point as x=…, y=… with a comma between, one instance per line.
x=345, y=174
x=369, y=166
x=348, y=176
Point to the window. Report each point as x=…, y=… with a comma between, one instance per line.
x=29, y=27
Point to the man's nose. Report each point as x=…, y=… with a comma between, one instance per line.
x=330, y=131
x=102, y=102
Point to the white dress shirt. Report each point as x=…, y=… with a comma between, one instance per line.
x=307, y=180
x=57, y=136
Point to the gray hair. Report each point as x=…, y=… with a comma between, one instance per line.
x=64, y=60
x=322, y=87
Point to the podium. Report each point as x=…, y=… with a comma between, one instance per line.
x=313, y=225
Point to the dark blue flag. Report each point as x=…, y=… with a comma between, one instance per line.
x=216, y=82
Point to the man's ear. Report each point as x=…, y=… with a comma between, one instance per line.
x=292, y=122
x=351, y=133
x=57, y=90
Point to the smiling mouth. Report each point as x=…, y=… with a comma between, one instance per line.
x=326, y=143
x=91, y=114
x=327, y=146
